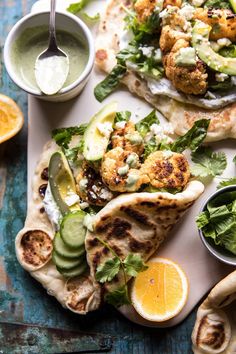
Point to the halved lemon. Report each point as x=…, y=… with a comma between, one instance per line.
x=11, y=118
x=160, y=292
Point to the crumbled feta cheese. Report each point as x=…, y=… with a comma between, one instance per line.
x=105, y=129
x=83, y=205
x=224, y=42
x=198, y=3
x=221, y=77
x=167, y=12
x=105, y=194
x=186, y=57
x=233, y=80
x=158, y=55
x=71, y=198
x=210, y=95
x=51, y=208
x=187, y=11
x=125, y=38
x=167, y=154
x=120, y=125
x=83, y=184
x=147, y=51
x=159, y=5
x=215, y=46
x=88, y=222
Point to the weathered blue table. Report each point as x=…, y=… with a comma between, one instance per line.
x=30, y=320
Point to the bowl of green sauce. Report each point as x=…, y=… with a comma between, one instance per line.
x=217, y=224
x=29, y=37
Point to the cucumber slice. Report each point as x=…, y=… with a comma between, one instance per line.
x=72, y=229
x=74, y=272
x=97, y=134
x=66, y=263
x=63, y=250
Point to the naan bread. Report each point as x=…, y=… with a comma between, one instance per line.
x=135, y=222
x=215, y=328
x=182, y=116
x=34, y=250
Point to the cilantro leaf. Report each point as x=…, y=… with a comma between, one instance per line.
x=217, y=4
x=118, y=297
x=122, y=116
x=110, y=83
x=193, y=138
x=143, y=126
x=208, y=163
x=228, y=182
x=133, y=264
x=108, y=270
x=62, y=136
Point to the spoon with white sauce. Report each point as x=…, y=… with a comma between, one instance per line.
x=52, y=65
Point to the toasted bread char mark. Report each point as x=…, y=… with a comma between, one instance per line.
x=209, y=334
x=37, y=247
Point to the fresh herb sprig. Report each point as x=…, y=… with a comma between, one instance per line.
x=208, y=163
x=130, y=266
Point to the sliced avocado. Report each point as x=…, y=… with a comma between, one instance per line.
x=200, y=41
x=233, y=5
x=66, y=263
x=61, y=182
x=74, y=272
x=72, y=229
x=63, y=250
x=97, y=134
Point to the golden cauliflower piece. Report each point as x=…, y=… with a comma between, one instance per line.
x=177, y=3
x=190, y=80
x=222, y=21
x=91, y=188
x=144, y=9
x=120, y=171
x=128, y=139
x=169, y=37
x=166, y=169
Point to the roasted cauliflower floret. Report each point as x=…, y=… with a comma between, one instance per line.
x=170, y=36
x=91, y=188
x=166, y=170
x=223, y=22
x=144, y=9
x=120, y=171
x=191, y=79
x=128, y=139
x=177, y=3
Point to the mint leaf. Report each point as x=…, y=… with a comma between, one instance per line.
x=229, y=182
x=133, y=264
x=193, y=138
x=108, y=270
x=208, y=163
x=118, y=297
x=63, y=136
x=143, y=126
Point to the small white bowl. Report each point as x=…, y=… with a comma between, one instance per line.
x=64, y=21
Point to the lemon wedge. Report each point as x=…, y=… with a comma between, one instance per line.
x=160, y=292
x=11, y=118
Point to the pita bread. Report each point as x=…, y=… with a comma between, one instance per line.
x=215, y=328
x=182, y=116
x=135, y=222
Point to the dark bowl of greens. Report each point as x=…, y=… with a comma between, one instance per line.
x=217, y=224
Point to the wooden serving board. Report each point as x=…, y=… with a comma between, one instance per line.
x=183, y=245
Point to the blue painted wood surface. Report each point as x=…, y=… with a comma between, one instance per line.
x=22, y=299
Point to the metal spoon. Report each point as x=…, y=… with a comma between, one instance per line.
x=52, y=65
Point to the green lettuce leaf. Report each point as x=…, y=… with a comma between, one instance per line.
x=193, y=138
x=208, y=163
x=63, y=136
x=122, y=116
x=143, y=126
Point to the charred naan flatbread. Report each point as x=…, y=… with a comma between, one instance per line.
x=134, y=222
x=181, y=115
x=215, y=328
